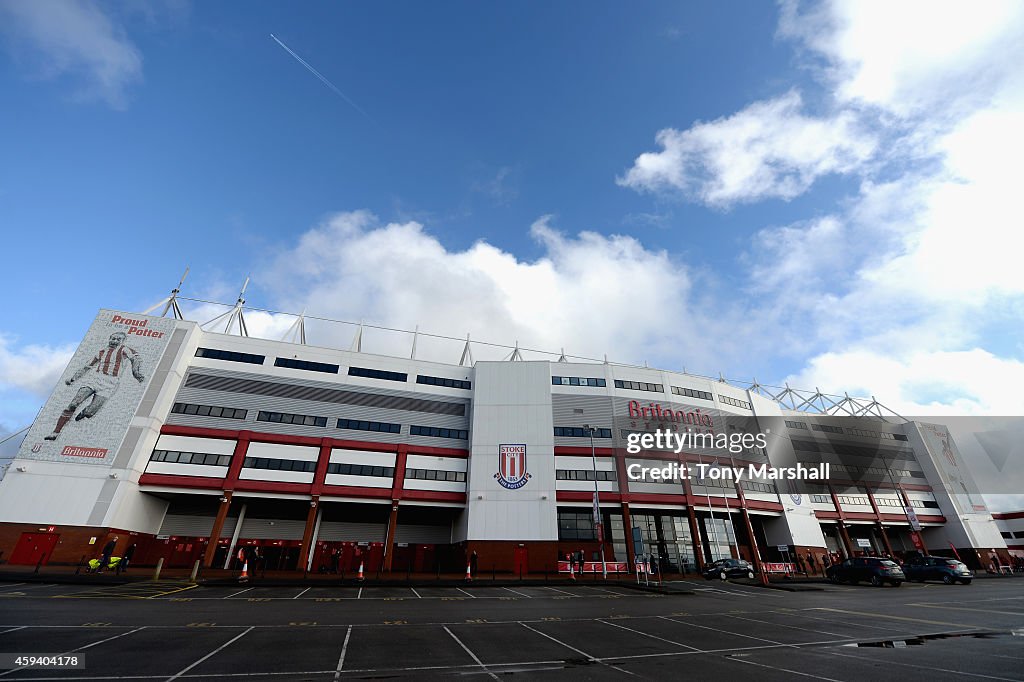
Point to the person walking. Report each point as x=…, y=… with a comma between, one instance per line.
x=811, y=564
x=108, y=551
x=127, y=558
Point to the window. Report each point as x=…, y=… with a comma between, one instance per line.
x=278, y=464
x=639, y=386
x=208, y=411
x=693, y=393
x=756, y=487
x=576, y=432
x=361, y=470
x=853, y=499
x=821, y=499
x=230, y=356
x=1006, y=534
x=583, y=475
x=1018, y=535
x=435, y=432
x=377, y=374
x=174, y=457
x=442, y=381
x=357, y=425
x=297, y=419
x=436, y=475
x=826, y=428
x=899, y=436
x=307, y=365
x=578, y=381
x=735, y=403
x=574, y=525
x=796, y=425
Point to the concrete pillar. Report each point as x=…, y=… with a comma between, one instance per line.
x=307, y=534
x=627, y=525
x=389, y=542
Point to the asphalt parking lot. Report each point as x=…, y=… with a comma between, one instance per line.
x=171, y=631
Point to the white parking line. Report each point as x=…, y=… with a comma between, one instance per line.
x=223, y=646
x=728, y=632
x=81, y=648
x=4, y=587
x=925, y=667
x=471, y=596
x=302, y=593
x=645, y=634
x=783, y=625
x=359, y=595
x=558, y=590
x=415, y=592
x=237, y=593
x=521, y=594
x=471, y=654
x=572, y=648
x=20, y=627
x=344, y=649
x=785, y=670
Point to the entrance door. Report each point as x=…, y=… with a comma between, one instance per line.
x=33, y=547
x=520, y=561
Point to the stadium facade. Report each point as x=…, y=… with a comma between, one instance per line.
x=191, y=444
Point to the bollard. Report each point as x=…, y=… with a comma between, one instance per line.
x=159, y=567
x=195, y=572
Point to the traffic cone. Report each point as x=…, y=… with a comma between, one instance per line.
x=469, y=574
x=245, y=573
x=572, y=572
x=360, y=575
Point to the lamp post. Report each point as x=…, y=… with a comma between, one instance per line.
x=597, y=505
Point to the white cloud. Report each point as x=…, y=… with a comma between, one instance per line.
x=32, y=368
x=591, y=294
x=912, y=55
x=771, y=149
x=78, y=39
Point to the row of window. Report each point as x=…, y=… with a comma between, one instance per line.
x=877, y=471
x=285, y=418
x=735, y=403
x=443, y=381
x=924, y=504
x=230, y=356
x=583, y=475
x=755, y=486
x=639, y=386
x=577, y=432
x=574, y=525
x=436, y=475
x=1012, y=535
x=308, y=365
x=278, y=464
x=209, y=411
x=853, y=432
x=361, y=470
x=435, y=432
x=853, y=499
x=577, y=381
x=693, y=393
x=377, y=374
x=172, y=456
x=360, y=425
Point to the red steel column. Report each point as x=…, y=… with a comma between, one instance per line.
x=627, y=525
x=698, y=546
x=842, y=525
x=878, y=517
x=234, y=470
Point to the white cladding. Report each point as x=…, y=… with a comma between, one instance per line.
x=209, y=446
x=512, y=405
x=303, y=453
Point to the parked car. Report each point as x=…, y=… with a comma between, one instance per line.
x=872, y=569
x=941, y=568
x=728, y=568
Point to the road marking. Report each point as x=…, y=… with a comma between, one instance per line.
x=645, y=634
x=471, y=654
x=882, y=615
x=728, y=632
x=581, y=653
x=359, y=595
x=415, y=592
x=237, y=593
x=521, y=594
x=785, y=670
x=925, y=667
x=223, y=646
x=964, y=608
x=473, y=596
x=4, y=587
x=302, y=593
x=558, y=590
x=344, y=649
x=793, y=627
x=81, y=648
x=20, y=627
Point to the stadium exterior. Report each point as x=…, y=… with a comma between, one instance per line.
x=191, y=444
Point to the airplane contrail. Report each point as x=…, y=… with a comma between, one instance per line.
x=322, y=78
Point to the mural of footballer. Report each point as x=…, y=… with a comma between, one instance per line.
x=101, y=386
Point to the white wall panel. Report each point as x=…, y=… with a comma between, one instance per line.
x=186, y=469
x=303, y=453
x=281, y=476
x=379, y=459
x=437, y=463
x=210, y=446
x=359, y=481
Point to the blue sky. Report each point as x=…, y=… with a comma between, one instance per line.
x=798, y=192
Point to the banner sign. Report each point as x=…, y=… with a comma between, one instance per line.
x=88, y=414
x=593, y=567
